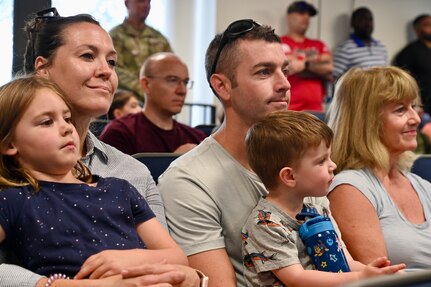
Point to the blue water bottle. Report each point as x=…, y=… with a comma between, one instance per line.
x=323, y=245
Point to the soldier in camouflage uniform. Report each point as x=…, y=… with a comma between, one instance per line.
x=135, y=41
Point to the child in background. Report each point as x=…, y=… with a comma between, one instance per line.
x=53, y=213
x=125, y=102
x=290, y=152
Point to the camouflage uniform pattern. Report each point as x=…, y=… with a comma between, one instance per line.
x=133, y=47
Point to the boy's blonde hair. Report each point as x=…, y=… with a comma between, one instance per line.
x=355, y=116
x=15, y=98
x=281, y=139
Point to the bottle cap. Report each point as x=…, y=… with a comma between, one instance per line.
x=315, y=225
x=307, y=213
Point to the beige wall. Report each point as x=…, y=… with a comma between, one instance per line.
x=332, y=23
x=195, y=22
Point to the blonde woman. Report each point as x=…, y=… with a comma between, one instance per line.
x=381, y=208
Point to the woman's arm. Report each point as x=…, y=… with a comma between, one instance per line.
x=191, y=278
x=155, y=276
x=160, y=245
x=160, y=248
x=358, y=223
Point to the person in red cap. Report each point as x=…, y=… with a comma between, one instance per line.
x=310, y=61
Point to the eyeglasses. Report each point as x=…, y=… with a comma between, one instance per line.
x=47, y=13
x=174, y=81
x=232, y=32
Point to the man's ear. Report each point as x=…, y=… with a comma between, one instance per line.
x=10, y=149
x=144, y=84
x=39, y=66
x=221, y=85
x=286, y=175
x=117, y=113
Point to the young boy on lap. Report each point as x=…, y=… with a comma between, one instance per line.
x=290, y=152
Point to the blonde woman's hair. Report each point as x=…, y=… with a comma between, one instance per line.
x=15, y=98
x=281, y=139
x=355, y=116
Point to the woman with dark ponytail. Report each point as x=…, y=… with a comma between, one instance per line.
x=78, y=55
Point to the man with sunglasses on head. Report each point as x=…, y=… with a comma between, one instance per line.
x=210, y=191
x=164, y=79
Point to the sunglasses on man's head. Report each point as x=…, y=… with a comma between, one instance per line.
x=232, y=32
x=47, y=13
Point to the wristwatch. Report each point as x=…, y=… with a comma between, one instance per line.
x=203, y=277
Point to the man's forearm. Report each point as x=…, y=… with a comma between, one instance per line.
x=320, y=67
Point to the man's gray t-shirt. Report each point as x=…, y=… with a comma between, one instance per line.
x=208, y=196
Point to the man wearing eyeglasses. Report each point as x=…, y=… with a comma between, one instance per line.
x=210, y=191
x=164, y=80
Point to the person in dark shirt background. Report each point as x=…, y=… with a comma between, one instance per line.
x=416, y=58
x=124, y=103
x=164, y=79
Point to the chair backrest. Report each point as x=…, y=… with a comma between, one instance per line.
x=97, y=126
x=320, y=115
x=206, y=112
x=408, y=279
x=422, y=167
x=157, y=163
x=207, y=129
